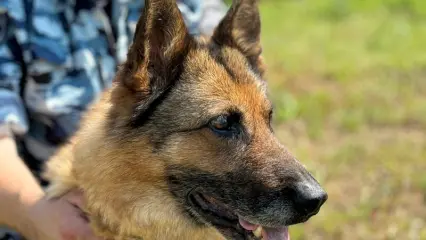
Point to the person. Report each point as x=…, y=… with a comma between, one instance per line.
x=56, y=57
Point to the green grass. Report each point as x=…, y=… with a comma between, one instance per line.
x=348, y=79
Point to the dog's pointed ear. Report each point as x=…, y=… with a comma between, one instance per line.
x=160, y=44
x=240, y=28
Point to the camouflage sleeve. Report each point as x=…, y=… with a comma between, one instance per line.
x=13, y=119
x=211, y=13
x=125, y=14
x=202, y=16
x=191, y=12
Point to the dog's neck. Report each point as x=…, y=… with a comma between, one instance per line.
x=154, y=216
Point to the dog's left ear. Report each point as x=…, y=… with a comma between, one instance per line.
x=155, y=59
x=240, y=29
x=160, y=44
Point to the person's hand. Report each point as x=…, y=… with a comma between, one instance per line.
x=24, y=208
x=61, y=219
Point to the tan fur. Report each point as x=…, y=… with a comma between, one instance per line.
x=121, y=170
x=88, y=162
x=116, y=211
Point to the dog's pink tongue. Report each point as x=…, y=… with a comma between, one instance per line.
x=275, y=233
x=267, y=233
x=248, y=226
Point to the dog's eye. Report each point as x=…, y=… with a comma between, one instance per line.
x=220, y=123
x=225, y=125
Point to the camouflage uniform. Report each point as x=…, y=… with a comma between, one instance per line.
x=56, y=57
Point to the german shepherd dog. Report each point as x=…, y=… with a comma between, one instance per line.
x=181, y=147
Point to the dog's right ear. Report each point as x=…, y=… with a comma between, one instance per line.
x=160, y=44
x=240, y=29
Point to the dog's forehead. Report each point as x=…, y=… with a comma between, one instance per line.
x=223, y=76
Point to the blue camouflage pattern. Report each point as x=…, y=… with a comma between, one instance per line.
x=57, y=56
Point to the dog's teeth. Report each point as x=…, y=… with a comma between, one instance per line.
x=258, y=232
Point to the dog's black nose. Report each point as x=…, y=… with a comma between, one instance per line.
x=308, y=200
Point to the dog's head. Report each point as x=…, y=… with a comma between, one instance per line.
x=200, y=108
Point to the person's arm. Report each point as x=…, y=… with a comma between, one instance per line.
x=19, y=191
x=23, y=205
x=18, y=188
x=24, y=208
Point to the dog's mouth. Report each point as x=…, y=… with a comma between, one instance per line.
x=230, y=224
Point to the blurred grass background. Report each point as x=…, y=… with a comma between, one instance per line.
x=348, y=81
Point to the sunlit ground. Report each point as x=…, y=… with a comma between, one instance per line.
x=348, y=79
